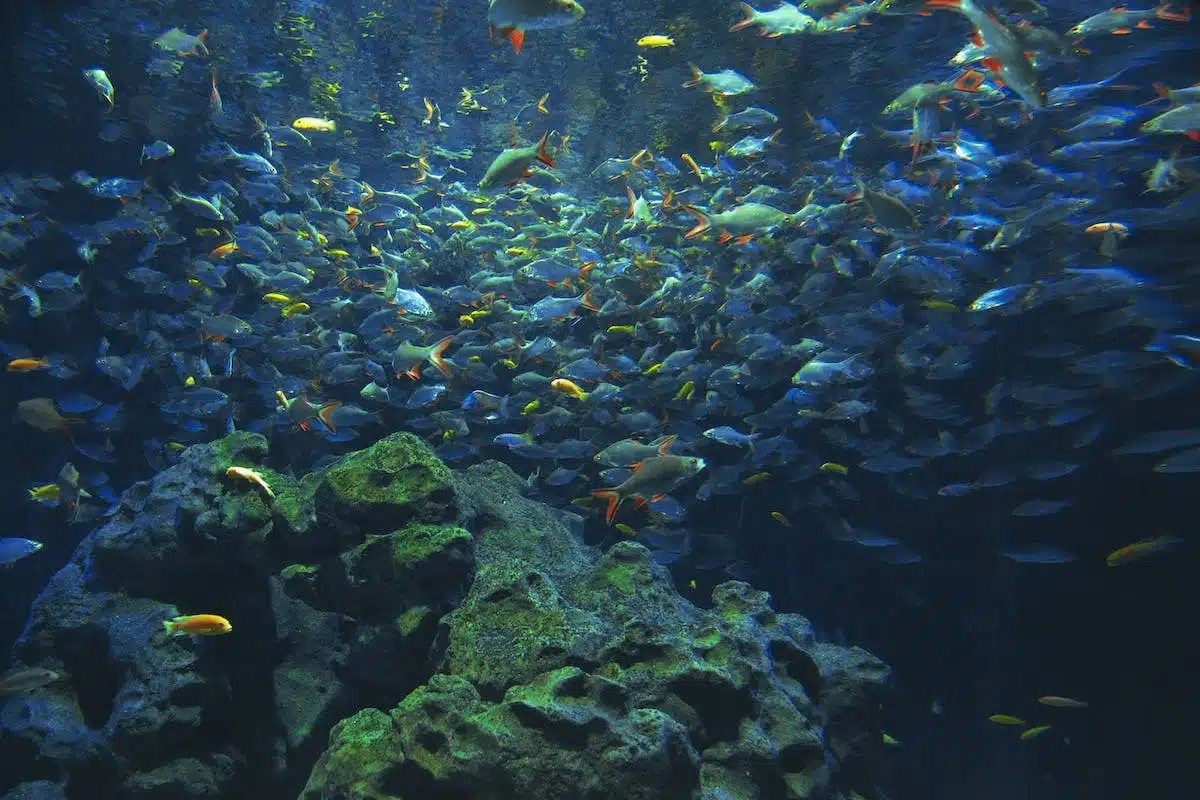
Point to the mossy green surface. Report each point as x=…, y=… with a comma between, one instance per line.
x=384, y=486
x=363, y=750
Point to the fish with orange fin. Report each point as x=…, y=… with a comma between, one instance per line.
x=513, y=165
x=1120, y=20
x=652, y=478
x=510, y=19
x=303, y=412
x=197, y=625
x=1006, y=56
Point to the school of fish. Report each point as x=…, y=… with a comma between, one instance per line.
x=811, y=318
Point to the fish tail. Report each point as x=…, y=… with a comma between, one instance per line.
x=632, y=200
x=665, y=444
x=200, y=41
x=614, y=502
x=542, y=155
x=702, y=223
x=170, y=627
x=774, y=137
x=1184, y=14
x=325, y=414
x=697, y=76
x=716, y=128
x=589, y=302
x=435, y=355
x=747, y=20
x=949, y=5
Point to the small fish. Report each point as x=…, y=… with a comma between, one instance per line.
x=27, y=679
x=781, y=518
x=197, y=625
x=256, y=478
x=656, y=40
x=1006, y=719
x=725, y=83
x=314, y=124
x=836, y=469
x=156, y=151
x=1057, y=701
x=14, y=549
x=1034, y=732
x=98, y=79
x=1140, y=550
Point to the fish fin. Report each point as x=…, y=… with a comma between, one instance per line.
x=969, y=81
x=746, y=21
x=1193, y=135
x=517, y=37
x=1144, y=25
x=952, y=5
x=542, y=155
x=1122, y=32
x=724, y=237
x=639, y=501
x=697, y=76
x=325, y=414
x=435, y=355
x=632, y=200
x=665, y=444
x=589, y=302
x=614, y=502
x=637, y=466
x=718, y=126
x=702, y=223
x=991, y=63
x=1184, y=14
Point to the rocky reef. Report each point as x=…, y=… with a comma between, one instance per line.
x=402, y=631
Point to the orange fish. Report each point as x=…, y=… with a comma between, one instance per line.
x=27, y=364
x=197, y=625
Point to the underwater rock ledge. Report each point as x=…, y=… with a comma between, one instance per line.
x=516, y=660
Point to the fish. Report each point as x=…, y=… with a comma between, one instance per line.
x=655, y=40
x=652, y=477
x=1058, y=701
x=197, y=625
x=156, y=151
x=1006, y=719
x=726, y=83
x=319, y=124
x=13, y=549
x=511, y=18
x=182, y=43
x=23, y=680
x=513, y=165
x=1137, y=551
x=784, y=20
x=1006, y=57
x=98, y=79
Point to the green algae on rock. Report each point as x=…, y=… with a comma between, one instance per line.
x=381, y=488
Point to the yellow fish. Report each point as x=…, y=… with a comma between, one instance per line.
x=462, y=224
x=757, y=477
x=837, y=469
x=625, y=529
x=653, y=370
x=315, y=124
x=276, y=297
x=656, y=40
x=296, y=308
x=889, y=739
x=1006, y=719
x=530, y=407
x=1032, y=732
x=47, y=493
x=624, y=329
x=939, y=305
x=779, y=517
x=686, y=391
